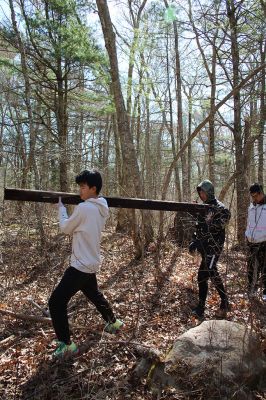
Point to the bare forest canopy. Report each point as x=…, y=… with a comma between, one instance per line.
x=157, y=95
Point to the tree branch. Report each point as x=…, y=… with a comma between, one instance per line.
x=204, y=122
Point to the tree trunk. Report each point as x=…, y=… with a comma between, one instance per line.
x=212, y=77
x=242, y=198
x=78, y=133
x=106, y=152
x=189, y=152
x=251, y=173
x=133, y=48
x=211, y=144
x=32, y=133
x=202, y=124
x=130, y=166
x=123, y=223
x=61, y=120
x=171, y=127
x=146, y=224
x=180, y=116
x=262, y=114
x=131, y=175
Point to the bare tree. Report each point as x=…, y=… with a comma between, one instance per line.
x=21, y=48
x=131, y=174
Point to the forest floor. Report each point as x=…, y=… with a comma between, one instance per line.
x=153, y=296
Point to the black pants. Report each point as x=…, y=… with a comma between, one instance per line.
x=257, y=265
x=71, y=282
x=208, y=270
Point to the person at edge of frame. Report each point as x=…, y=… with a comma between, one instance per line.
x=256, y=240
x=208, y=240
x=85, y=224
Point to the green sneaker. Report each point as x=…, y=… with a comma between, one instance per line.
x=65, y=350
x=114, y=327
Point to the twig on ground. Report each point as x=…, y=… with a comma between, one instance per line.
x=44, y=312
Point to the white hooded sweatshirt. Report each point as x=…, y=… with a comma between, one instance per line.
x=256, y=223
x=86, y=225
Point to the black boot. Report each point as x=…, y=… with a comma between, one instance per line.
x=224, y=309
x=225, y=306
x=198, y=312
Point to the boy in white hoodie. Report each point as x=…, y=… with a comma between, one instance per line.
x=256, y=240
x=85, y=224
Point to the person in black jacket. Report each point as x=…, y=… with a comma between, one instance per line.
x=208, y=240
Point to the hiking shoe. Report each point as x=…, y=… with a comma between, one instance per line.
x=221, y=313
x=65, y=350
x=225, y=307
x=114, y=327
x=198, y=312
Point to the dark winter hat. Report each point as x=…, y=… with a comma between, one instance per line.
x=208, y=188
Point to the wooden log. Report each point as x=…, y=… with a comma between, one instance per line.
x=117, y=202
x=35, y=318
x=25, y=317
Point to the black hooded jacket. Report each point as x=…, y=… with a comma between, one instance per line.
x=210, y=228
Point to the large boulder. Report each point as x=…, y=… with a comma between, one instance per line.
x=216, y=359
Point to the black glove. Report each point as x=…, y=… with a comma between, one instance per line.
x=192, y=247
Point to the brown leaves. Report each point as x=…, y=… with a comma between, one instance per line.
x=152, y=296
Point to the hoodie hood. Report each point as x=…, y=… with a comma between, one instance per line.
x=208, y=188
x=102, y=205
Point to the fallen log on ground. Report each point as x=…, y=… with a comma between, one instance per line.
x=25, y=317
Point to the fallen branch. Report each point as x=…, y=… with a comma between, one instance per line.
x=44, y=312
x=25, y=317
x=142, y=350
x=7, y=340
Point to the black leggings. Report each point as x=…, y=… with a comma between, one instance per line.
x=71, y=282
x=208, y=270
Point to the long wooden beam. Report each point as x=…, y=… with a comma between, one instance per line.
x=117, y=202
